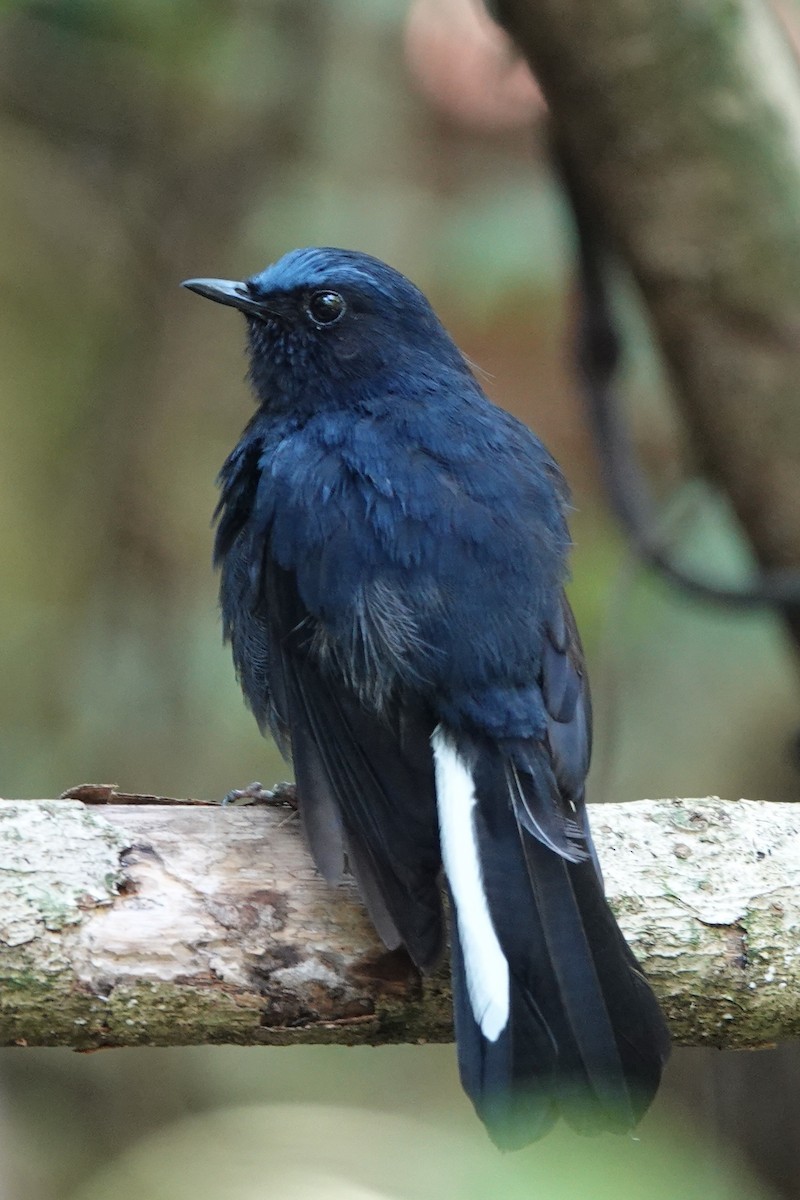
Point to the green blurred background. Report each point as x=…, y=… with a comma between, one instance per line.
x=145, y=142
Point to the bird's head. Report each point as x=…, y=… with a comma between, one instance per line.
x=321, y=318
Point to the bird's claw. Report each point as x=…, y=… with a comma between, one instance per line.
x=281, y=795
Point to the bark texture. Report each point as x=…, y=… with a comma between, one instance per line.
x=683, y=123
x=163, y=925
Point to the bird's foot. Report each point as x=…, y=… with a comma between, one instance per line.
x=282, y=795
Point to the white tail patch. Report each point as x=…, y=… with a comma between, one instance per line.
x=486, y=965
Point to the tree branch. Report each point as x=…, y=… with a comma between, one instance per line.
x=162, y=925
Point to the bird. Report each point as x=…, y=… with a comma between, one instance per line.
x=393, y=550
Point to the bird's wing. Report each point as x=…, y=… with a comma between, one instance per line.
x=567, y=702
x=545, y=772
x=365, y=777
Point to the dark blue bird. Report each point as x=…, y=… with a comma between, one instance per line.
x=393, y=550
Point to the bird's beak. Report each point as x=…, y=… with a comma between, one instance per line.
x=228, y=291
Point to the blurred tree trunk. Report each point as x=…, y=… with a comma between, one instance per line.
x=682, y=122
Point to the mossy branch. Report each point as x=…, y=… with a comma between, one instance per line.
x=147, y=924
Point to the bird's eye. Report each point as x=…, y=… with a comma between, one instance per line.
x=326, y=308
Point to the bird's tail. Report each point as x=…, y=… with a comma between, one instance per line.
x=553, y=1016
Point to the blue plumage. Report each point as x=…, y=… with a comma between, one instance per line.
x=393, y=550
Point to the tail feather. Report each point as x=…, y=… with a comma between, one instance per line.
x=640, y=1028
x=580, y=988
x=582, y=1035
x=516, y=1110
